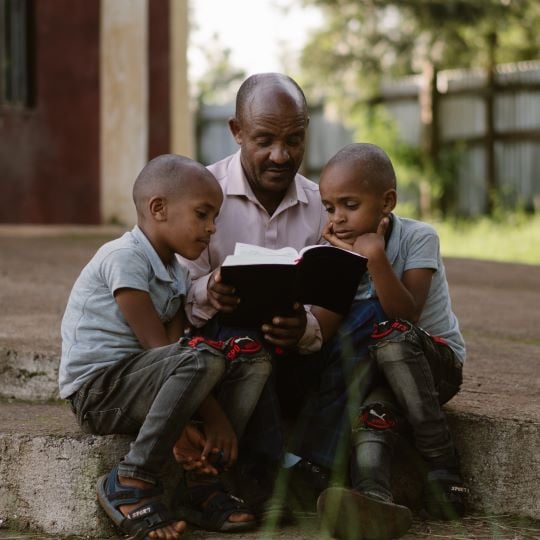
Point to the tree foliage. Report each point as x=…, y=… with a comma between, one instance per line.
x=219, y=83
x=364, y=40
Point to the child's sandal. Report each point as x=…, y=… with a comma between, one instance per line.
x=209, y=506
x=147, y=517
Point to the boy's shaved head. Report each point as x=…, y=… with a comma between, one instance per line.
x=169, y=176
x=370, y=162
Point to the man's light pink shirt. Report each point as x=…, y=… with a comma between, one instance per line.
x=297, y=222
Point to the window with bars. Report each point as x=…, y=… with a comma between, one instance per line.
x=15, y=39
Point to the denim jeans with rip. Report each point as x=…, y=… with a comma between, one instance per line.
x=154, y=394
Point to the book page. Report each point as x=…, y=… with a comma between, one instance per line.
x=250, y=259
x=324, y=247
x=253, y=250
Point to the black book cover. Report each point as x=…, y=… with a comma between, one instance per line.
x=325, y=276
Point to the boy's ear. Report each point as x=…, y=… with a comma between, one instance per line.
x=389, y=200
x=158, y=208
x=234, y=126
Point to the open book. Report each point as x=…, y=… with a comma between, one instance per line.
x=269, y=281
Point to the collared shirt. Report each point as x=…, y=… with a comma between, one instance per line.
x=415, y=244
x=95, y=334
x=298, y=222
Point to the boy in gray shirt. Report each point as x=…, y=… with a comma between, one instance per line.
x=401, y=346
x=126, y=366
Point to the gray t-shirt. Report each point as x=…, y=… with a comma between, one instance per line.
x=95, y=334
x=414, y=244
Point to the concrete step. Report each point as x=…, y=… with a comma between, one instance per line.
x=49, y=468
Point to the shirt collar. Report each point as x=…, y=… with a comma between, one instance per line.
x=238, y=185
x=160, y=271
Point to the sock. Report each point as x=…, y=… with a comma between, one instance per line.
x=290, y=460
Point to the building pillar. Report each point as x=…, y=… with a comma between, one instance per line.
x=182, y=134
x=123, y=105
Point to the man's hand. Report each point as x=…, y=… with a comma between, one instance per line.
x=220, y=295
x=287, y=331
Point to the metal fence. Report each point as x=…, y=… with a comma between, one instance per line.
x=462, y=118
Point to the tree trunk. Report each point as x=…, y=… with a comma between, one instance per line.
x=428, y=99
x=491, y=180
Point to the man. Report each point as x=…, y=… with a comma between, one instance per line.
x=266, y=202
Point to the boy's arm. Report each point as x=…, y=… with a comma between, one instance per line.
x=400, y=299
x=220, y=435
x=176, y=326
x=138, y=310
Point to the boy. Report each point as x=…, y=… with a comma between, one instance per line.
x=126, y=367
x=408, y=366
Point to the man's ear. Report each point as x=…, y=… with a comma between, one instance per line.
x=158, y=208
x=389, y=201
x=234, y=126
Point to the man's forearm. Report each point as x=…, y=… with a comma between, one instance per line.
x=312, y=340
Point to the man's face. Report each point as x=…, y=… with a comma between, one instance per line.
x=272, y=135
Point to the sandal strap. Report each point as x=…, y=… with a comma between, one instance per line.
x=198, y=494
x=147, y=517
x=220, y=507
x=212, y=501
x=119, y=495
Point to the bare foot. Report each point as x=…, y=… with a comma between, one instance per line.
x=168, y=532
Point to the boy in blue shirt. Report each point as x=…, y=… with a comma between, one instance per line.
x=401, y=345
x=126, y=366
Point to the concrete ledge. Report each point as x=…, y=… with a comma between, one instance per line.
x=48, y=482
x=28, y=375
x=500, y=463
x=49, y=468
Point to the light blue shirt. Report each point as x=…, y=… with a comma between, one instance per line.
x=95, y=334
x=415, y=244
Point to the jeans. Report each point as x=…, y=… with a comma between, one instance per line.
x=399, y=389
x=292, y=379
x=153, y=395
x=309, y=391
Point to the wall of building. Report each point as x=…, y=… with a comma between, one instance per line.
x=105, y=82
x=49, y=153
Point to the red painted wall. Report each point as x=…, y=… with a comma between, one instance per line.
x=49, y=154
x=159, y=79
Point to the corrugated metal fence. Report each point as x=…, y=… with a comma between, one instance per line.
x=462, y=118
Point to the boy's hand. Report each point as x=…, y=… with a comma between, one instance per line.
x=329, y=235
x=220, y=295
x=221, y=442
x=188, y=451
x=372, y=244
x=287, y=331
